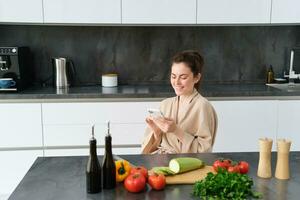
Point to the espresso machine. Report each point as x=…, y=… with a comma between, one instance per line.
x=16, y=63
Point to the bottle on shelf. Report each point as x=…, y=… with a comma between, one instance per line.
x=270, y=75
x=93, y=169
x=108, y=164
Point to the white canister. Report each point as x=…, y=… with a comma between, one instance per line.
x=109, y=80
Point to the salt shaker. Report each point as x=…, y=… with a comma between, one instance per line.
x=264, y=165
x=282, y=166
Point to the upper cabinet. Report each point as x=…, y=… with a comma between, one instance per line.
x=285, y=11
x=150, y=12
x=233, y=11
x=21, y=11
x=159, y=11
x=78, y=11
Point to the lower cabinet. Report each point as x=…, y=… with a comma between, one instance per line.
x=288, y=122
x=21, y=125
x=78, y=135
x=67, y=127
x=64, y=129
x=21, y=128
x=85, y=151
x=242, y=123
x=14, y=166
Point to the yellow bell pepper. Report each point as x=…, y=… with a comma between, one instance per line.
x=122, y=169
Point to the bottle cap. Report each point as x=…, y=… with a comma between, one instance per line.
x=93, y=132
x=108, y=128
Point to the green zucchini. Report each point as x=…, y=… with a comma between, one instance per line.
x=163, y=170
x=184, y=164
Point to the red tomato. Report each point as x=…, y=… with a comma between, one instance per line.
x=157, y=181
x=234, y=169
x=227, y=162
x=135, y=182
x=139, y=169
x=244, y=167
x=220, y=163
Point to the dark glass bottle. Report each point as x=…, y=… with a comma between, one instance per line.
x=108, y=165
x=93, y=169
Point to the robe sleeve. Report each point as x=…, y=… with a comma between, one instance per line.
x=203, y=139
x=149, y=144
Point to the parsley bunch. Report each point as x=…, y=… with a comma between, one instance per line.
x=225, y=185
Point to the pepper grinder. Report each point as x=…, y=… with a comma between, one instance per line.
x=264, y=165
x=282, y=166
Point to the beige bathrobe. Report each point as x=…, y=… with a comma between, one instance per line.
x=195, y=116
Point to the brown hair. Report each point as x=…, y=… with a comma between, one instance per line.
x=193, y=60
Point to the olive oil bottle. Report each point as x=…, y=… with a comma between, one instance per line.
x=108, y=165
x=93, y=169
x=270, y=75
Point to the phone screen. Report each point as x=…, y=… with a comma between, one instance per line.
x=155, y=112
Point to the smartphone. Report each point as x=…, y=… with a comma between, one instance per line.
x=155, y=112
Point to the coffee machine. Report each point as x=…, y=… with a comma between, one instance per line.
x=16, y=63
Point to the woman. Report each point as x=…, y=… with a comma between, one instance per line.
x=190, y=122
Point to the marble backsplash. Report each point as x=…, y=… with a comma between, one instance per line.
x=140, y=54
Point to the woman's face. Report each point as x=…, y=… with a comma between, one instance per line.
x=183, y=79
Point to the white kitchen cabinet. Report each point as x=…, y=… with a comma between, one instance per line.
x=14, y=166
x=288, y=122
x=285, y=11
x=21, y=125
x=78, y=11
x=96, y=113
x=233, y=11
x=20, y=11
x=159, y=11
x=69, y=124
x=70, y=135
x=242, y=123
x=85, y=151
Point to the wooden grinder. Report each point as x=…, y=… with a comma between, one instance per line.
x=282, y=166
x=264, y=165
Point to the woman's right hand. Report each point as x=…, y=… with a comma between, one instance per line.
x=156, y=130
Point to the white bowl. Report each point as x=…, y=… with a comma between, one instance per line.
x=109, y=80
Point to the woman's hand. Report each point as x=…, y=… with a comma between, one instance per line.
x=165, y=124
x=156, y=130
x=168, y=125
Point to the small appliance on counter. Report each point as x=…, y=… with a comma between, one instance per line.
x=15, y=68
x=110, y=80
x=63, y=72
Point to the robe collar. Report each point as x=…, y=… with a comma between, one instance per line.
x=189, y=98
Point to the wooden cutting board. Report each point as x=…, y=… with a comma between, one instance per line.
x=189, y=177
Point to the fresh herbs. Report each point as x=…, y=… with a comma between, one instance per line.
x=225, y=185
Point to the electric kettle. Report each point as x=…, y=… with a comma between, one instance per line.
x=63, y=72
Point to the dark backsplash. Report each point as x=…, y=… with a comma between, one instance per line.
x=141, y=54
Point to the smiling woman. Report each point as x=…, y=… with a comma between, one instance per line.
x=190, y=122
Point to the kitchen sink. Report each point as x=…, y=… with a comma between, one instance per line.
x=288, y=87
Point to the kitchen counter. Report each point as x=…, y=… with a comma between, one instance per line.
x=64, y=178
x=145, y=93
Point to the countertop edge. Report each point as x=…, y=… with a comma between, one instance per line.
x=148, y=99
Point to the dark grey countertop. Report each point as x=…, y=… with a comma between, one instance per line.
x=211, y=91
x=64, y=178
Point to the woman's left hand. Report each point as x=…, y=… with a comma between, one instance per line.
x=165, y=124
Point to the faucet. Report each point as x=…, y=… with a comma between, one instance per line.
x=292, y=75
